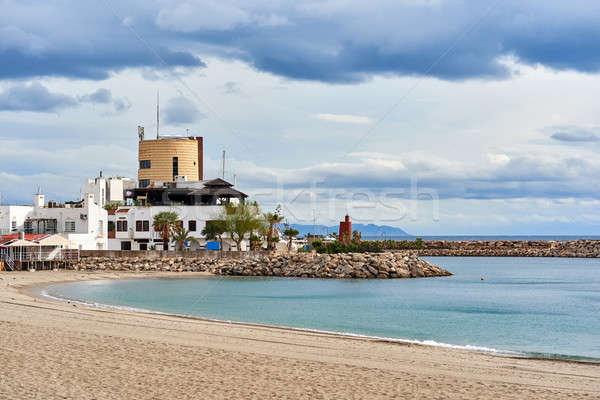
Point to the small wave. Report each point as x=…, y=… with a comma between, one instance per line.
x=426, y=342
x=483, y=349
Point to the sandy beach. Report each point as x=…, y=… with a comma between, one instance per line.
x=51, y=350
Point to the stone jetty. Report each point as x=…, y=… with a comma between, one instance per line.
x=389, y=265
x=506, y=248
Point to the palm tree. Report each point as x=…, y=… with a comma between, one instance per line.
x=164, y=223
x=290, y=233
x=180, y=236
x=272, y=220
x=241, y=220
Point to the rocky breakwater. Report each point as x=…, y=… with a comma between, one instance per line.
x=506, y=248
x=343, y=266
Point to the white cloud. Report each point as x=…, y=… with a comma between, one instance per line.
x=194, y=16
x=499, y=159
x=348, y=119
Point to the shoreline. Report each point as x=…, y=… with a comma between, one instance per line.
x=284, y=360
x=32, y=290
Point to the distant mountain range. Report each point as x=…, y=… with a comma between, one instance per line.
x=366, y=230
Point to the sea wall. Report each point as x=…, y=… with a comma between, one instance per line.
x=357, y=265
x=504, y=248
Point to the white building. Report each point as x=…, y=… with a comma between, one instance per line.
x=108, y=190
x=84, y=223
x=133, y=226
x=194, y=202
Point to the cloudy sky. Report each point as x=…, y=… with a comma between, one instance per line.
x=437, y=116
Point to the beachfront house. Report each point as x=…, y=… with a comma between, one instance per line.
x=82, y=223
x=195, y=202
x=20, y=251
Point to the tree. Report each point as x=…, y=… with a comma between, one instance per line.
x=180, y=236
x=272, y=219
x=214, y=230
x=255, y=242
x=164, y=223
x=290, y=233
x=241, y=220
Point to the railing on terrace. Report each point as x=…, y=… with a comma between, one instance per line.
x=38, y=256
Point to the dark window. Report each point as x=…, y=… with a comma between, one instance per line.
x=192, y=226
x=142, y=226
x=125, y=245
x=28, y=227
x=143, y=246
x=175, y=166
x=144, y=183
x=121, y=226
x=145, y=164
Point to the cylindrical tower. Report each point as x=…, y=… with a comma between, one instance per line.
x=163, y=160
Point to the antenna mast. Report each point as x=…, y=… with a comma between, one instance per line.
x=157, y=115
x=223, y=169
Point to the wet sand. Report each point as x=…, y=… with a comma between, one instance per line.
x=52, y=350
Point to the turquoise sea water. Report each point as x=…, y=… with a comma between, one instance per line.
x=539, y=306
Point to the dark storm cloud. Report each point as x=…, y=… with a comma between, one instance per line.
x=34, y=97
x=336, y=41
x=576, y=136
x=330, y=41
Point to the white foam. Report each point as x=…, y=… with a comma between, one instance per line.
x=433, y=343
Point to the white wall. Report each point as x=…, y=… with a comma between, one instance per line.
x=200, y=214
x=91, y=222
x=8, y=214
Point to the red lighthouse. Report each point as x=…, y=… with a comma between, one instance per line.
x=345, y=230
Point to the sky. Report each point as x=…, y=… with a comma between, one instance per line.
x=436, y=116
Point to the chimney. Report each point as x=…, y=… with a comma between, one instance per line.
x=200, y=141
x=39, y=200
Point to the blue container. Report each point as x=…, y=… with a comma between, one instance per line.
x=212, y=246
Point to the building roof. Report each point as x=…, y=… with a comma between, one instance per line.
x=44, y=239
x=20, y=243
x=28, y=236
x=217, y=183
x=217, y=191
x=53, y=240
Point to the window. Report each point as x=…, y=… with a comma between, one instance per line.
x=175, y=166
x=69, y=226
x=122, y=226
x=28, y=226
x=192, y=226
x=50, y=226
x=143, y=246
x=144, y=183
x=126, y=245
x=13, y=226
x=145, y=164
x=142, y=226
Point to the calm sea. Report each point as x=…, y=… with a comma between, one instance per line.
x=471, y=238
x=539, y=306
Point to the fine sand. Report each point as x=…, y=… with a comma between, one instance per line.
x=52, y=350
